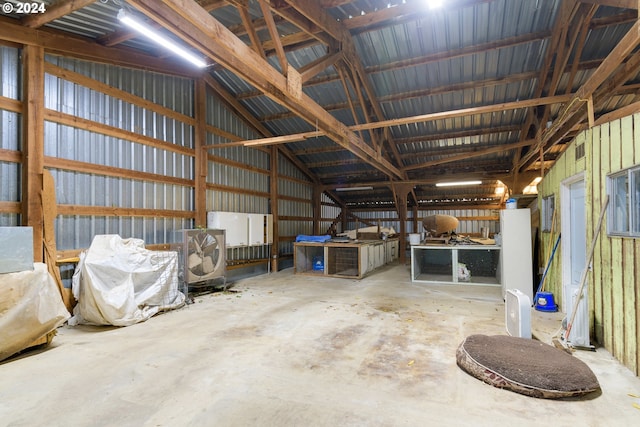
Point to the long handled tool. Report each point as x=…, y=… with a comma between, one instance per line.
x=546, y=270
x=583, y=278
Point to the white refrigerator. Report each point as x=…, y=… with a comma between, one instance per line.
x=516, y=259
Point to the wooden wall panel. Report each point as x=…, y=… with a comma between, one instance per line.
x=594, y=192
x=607, y=316
x=614, y=282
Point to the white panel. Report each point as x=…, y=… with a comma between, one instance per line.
x=256, y=229
x=235, y=224
x=517, y=314
x=516, y=253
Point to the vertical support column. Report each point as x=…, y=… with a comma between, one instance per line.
x=401, y=203
x=415, y=219
x=201, y=160
x=33, y=146
x=273, y=188
x=317, y=209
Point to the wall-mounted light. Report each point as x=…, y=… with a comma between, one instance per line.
x=354, y=188
x=130, y=21
x=457, y=183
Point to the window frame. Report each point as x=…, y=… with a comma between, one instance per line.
x=547, y=210
x=622, y=219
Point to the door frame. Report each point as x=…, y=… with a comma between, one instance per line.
x=565, y=229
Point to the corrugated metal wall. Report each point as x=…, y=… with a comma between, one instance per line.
x=471, y=220
x=9, y=132
x=293, y=184
x=84, y=189
x=329, y=212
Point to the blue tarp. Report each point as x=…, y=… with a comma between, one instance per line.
x=316, y=239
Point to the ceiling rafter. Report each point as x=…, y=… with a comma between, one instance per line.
x=53, y=12
x=204, y=32
x=254, y=123
x=570, y=112
x=275, y=37
x=359, y=79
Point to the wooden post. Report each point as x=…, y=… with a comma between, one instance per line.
x=402, y=191
x=33, y=146
x=273, y=188
x=201, y=160
x=317, y=209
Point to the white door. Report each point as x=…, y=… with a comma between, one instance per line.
x=574, y=262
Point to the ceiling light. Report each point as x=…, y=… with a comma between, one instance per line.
x=354, y=188
x=435, y=4
x=457, y=183
x=133, y=23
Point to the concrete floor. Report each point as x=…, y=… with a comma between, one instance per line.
x=292, y=350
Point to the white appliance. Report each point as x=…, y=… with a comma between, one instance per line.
x=235, y=224
x=243, y=229
x=516, y=259
x=517, y=313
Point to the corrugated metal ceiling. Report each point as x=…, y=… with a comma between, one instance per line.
x=416, y=61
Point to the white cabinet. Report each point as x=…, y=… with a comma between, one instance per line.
x=260, y=229
x=516, y=262
x=243, y=229
x=236, y=226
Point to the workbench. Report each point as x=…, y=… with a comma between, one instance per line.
x=353, y=259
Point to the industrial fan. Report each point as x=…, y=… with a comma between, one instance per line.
x=203, y=255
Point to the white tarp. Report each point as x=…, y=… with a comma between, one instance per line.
x=30, y=308
x=120, y=282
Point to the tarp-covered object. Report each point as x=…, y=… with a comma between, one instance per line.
x=120, y=282
x=30, y=308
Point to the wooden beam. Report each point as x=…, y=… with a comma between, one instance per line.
x=624, y=4
x=53, y=12
x=275, y=37
x=205, y=33
x=82, y=48
x=256, y=44
x=111, y=211
x=568, y=114
x=10, y=156
x=423, y=118
x=313, y=68
x=201, y=160
x=273, y=207
x=95, y=127
x=33, y=147
x=96, y=169
x=470, y=154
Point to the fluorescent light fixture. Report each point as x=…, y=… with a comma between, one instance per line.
x=435, y=4
x=130, y=21
x=354, y=188
x=457, y=183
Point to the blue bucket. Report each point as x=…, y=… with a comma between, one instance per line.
x=318, y=263
x=545, y=302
